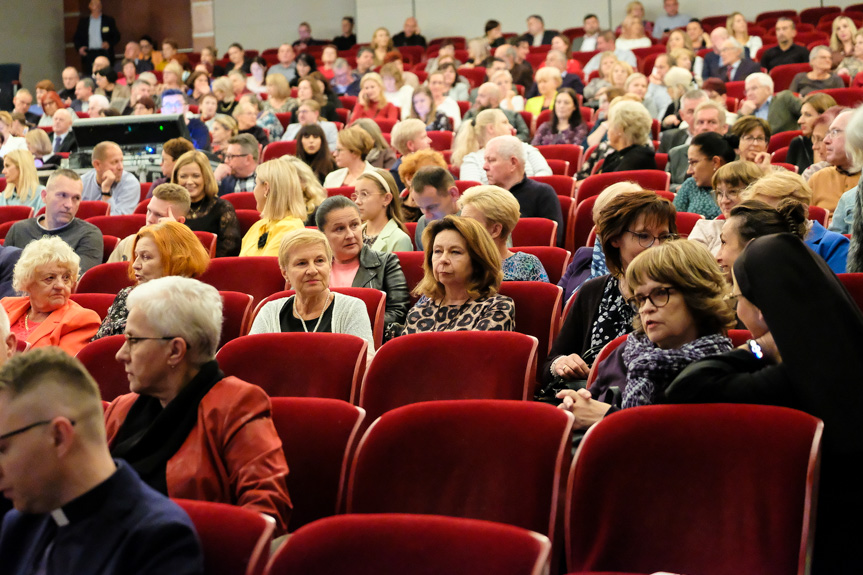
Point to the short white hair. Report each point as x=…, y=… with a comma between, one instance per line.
x=406, y=131
x=814, y=52
x=761, y=79
x=854, y=137
x=99, y=101
x=733, y=43
x=509, y=147
x=5, y=328
x=46, y=250
x=185, y=308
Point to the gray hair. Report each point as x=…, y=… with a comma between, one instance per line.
x=762, y=79
x=509, y=147
x=814, y=52
x=854, y=137
x=44, y=251
x=633, y=119
x=404, y=132
x=100, y=101
x=557, y=55
x=182, y=307
x=149, y=78
x=693, y=95
x=732, y=42
x=247, y=143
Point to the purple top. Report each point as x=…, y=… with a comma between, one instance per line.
x=544, y=136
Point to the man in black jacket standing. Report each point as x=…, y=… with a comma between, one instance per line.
x=96, y=36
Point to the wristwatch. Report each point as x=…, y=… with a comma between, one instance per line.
x=755, y=348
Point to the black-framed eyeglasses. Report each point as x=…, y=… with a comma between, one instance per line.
x=133, y=340
x=229, y=157
x=646, y=240
x=21, y=430
x=658, y=297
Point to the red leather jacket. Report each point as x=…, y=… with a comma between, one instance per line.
x=233, y=455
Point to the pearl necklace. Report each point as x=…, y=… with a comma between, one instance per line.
x=320, y=317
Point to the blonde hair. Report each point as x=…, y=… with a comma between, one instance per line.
x=549, y=73
x=498, y=206
x=835, y=44
x=356, y=141
x=280, y=83
x=228, y=123
x=39, y=139
x=632, y=119
x=42, y=252
x=393, y=71
x=779, y=184
x=376, y=78
x=223, y=85
x=729, y=25
x=313, y=192
x=286, y=191
x=301, y=238
x=610, y=193
x=198, y=158
x=472, y=137
x=385, y=182
x=28, y=181
x=693, y=271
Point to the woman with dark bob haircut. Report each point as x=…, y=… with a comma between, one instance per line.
x=462, y=276
x=682, y=316
x=628, y=225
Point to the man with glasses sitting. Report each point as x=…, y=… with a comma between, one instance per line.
x=77, y=510
x=829, y=184
x=175, y=102
x=237, y=174
x=308, y=114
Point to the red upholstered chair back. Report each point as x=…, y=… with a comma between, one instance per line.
x=685, y=222
x=208, y=240
x=98, y=302
x=237, y=315
x=317, y=435
x=853, y=283
x=432, y=366
x=145, y=190
x=784, y=73
x=247, y=218
x=583, y=222
x=559, y=167
x=275, y=150
x=538, y=305
x=782, y=139
x=440, y=140
x=345, y=191
x=258, y=276
x=682, y=496
x=563, y=185
x=87, y=209
x=553, y=259
x=850, y=97
x=105, y=278
x=242, y=200
x=534, y=232
x=412, y=266
x=647, y=179
x=14, y=213
x=568, y=152
x=119, y=226
x=297, y=364
x=603, y=354
x=98, y=357
x=235, y=541
x=499, y=461
x=109, y=244
x=396, y=543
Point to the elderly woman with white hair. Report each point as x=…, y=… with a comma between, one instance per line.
x=821, y=77
x=97, y=104
x=306, y=261
x=187, y=430
x=469, y=148
x=498, y=211
x=46, y=274
x=629, y=126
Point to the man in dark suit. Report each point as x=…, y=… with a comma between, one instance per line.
x=409, y=36
x=133, y=53
x=95, y=36
x=670, y=139
x=735, y=68
x=63, y=138
x=537, y=35
x=587, y=43
x=712, y=60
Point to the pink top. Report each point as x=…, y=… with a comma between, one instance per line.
x=343, y=274
x=23, y=330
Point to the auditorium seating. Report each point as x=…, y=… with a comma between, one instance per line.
x=256, y=276
x=534, y=232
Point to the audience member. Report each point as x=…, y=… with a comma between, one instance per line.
x=829, y=184
x=306, y=259
x=738, y=29
x=46, y=274
x=708, y=152
x=286, y=67
x=657, y=98
x=169, y=202
x=629, y=125
x=246, y=115
x=699, y=38
x=381, y=44
x=522, y=73
x=314, y=151
x=423, y=108
x=489, y=97
x=410, y=35
x=10, y=141
x=237, y=174
x=842, y=39
x=354, y=145
x=208, y=213
x=51, y=102
x=106, y=85
x=781, y=110
x=753, y=136
x=846, y=214
x=396, y=91
x=98, y=106
x=493, y=34
x=708, y=117
x=382, y=154
x=92, y=512
x=109, y=182
x=22, y=182
x=62, y=195
x=39, y=144
x=852, y=65
x=224, y=128
x=345, y=81
x=372, y=103
x=227, y=449
x=566, y=125
x=355, y=264
x=365, y=61
x=606, y=43
x=800, y=152
x=377, y=199
x=309, y=114
x=459, y=291
x=498, y=211
x=279, y=196
x=171, y=152
x=313, y=192
x=70, y=81
x=821, y=77
x=536, y=34
x=587, y=42
x=735, y=66
x=347, y=39
x=607, y=60
x=785, y=51
x=95, y=36
x=713, y=59
x=160, y=249
x=434, y=192
x=633, y=33
x=407, y=137
x=670, y=20
x=175, y=102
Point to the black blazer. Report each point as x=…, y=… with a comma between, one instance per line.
x=69, y=143
x=547, y=37
x=383, y=271
x=110, y=33
x=746, y=67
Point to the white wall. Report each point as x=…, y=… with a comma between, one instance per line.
x=267, y=23
x=33, y=36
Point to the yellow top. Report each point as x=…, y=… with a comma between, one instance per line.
x=276, y=229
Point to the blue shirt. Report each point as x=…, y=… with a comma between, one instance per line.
x=95, y=33
x=843, y=216
x=125, y=193
x=763, y=110
x=666, y=22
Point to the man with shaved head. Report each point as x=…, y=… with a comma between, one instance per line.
x=108, y=181
x=488, y=96
x=76, y=509
x=410, y=35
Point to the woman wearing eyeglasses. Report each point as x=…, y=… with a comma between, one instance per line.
x=729, y=181
x=378, y=200
x=628, y=225
x=681, y=316
x=753, y=135
x=279, y=196
x=707, y=153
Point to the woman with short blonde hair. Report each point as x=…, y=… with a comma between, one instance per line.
x=498, y=210
x=279, y=196
x=279, y=99
x=22, y=183
x=353, y=147
x=548, y=80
